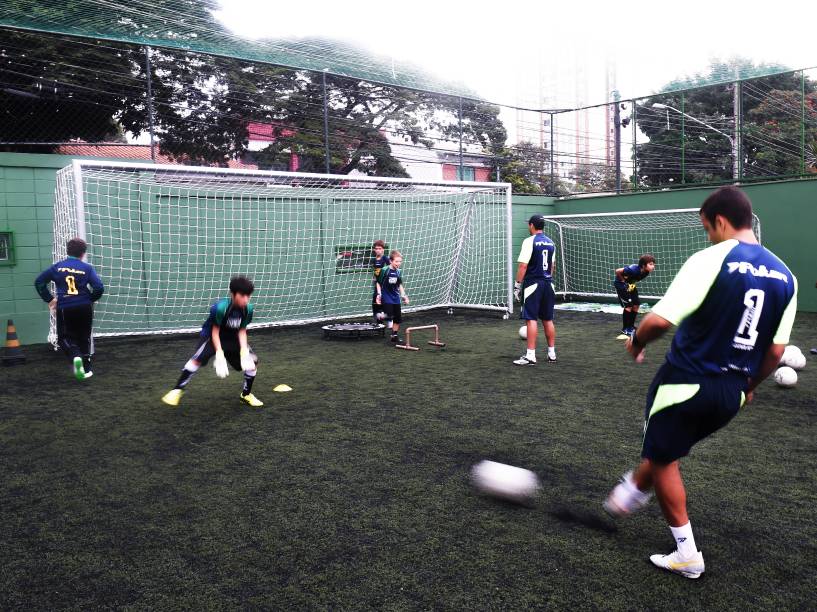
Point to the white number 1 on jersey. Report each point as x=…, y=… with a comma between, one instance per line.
x=747, y=330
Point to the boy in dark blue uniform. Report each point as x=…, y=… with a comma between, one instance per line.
x=734, y=304
x=224, y=335
x=390, y=291
x=624, y=282
x=534, y=288
x=74, y=304
x=379, y=261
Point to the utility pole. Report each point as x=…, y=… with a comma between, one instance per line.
x=617, y=123
x=736, y=90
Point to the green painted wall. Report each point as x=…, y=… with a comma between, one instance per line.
x=787, y=211
x=27, y=208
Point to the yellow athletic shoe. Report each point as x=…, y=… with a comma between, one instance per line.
x=622, y=337
x=173, y=397
x=252, y=400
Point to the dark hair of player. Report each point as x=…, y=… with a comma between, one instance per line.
x=732, y=204
x=395, y=253
x=76, y=247
x=241, y=284
x=537, y=221
x=645, y=259
x=379, y=243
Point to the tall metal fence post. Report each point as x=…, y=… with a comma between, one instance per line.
x=633, y=118
x=325, y=124
x=148, y=70
x=552, y=160
x=802, y=122
x=459, y=115
x=683, y=139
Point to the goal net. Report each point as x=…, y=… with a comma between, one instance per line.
x=166, y=240
x=590, y=247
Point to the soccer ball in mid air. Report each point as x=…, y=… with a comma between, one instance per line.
x=505, y=481
x=523, y=332
x=785, y=377
x=793, y=357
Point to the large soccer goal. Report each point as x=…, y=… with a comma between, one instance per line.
x=167, y=239
x=590, y=247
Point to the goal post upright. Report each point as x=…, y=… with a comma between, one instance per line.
x=509, y=238
x=79, y=198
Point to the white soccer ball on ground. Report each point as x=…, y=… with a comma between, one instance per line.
x=785, y=377
x=523, y=332
x=793, y=357
x=505, y=481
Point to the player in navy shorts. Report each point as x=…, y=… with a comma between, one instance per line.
x=734, y=304
x=534, y=288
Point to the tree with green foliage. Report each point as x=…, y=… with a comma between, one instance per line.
x=681, y=150
x=527, y=168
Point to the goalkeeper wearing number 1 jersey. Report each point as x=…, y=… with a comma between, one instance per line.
x=73, y=305
x=224, y=335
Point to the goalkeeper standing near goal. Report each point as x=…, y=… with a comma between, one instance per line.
x=624, y=282
x=534, y=288
x=379, y=261
x=734, y=304
x=224, y=336
x=73, y=306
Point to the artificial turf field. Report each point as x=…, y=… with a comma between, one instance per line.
x=352, y=491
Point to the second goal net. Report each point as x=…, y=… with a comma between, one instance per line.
x=590, y=247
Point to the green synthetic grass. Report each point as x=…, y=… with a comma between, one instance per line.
x=352, y=491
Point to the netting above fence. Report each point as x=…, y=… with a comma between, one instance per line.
x=190, y=25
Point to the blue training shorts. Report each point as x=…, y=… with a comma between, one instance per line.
x=538, y=300
x=684, y=408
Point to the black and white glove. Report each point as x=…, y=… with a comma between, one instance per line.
x=517, y=291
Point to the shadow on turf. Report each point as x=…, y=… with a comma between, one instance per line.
x=584, y=518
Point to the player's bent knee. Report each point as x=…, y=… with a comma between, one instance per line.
x=251, y=373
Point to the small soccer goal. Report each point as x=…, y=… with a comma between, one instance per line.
x=590, y=247
x=167, y=239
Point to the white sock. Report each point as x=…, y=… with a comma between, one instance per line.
x=531, y=354
x=552, y=352
x=685, y=540
x=191, y=366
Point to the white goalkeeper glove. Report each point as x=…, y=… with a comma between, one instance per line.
x=222, y=371
x=517, y=291
x=247, y=362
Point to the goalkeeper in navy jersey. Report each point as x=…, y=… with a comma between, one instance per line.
x=73, y=305
x=734, y=304
x=379, y=261
x=625, y=284
x=390, y=291
x=534, y=288
x=224, y=336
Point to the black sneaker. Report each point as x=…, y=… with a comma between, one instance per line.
x=395, y=338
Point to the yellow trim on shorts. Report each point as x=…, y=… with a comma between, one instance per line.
x=670, y=395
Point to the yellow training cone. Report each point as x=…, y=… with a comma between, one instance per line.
x=282, y=388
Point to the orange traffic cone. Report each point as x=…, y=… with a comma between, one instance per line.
x=14, y=354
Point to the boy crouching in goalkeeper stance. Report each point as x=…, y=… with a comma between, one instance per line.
x=224, y=335
x=624, y=282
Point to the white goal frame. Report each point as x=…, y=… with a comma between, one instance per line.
x=560, y=221
x=71, y=221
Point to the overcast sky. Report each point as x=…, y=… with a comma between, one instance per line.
x=490, y=45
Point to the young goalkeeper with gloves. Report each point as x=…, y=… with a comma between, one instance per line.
x=224, y=335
